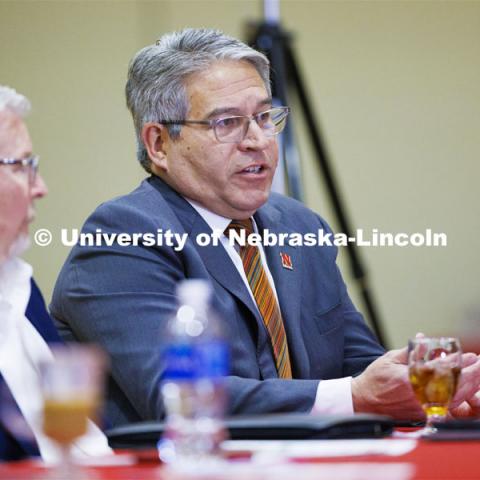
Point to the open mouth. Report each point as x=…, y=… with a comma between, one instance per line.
x=253, y=169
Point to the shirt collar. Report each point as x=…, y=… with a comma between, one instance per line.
x=214, y=221
x=15, y=275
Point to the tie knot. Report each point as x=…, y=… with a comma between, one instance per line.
x=240, y=225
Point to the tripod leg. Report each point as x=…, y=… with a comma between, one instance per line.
x=270, y=40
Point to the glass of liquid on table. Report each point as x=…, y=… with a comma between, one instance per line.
x=434, y=367
x=72, y=388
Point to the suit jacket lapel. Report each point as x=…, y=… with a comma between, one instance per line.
x=222, y=269
x=38, y=316
x=215, y=258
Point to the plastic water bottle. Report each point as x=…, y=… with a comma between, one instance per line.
x=195, y=361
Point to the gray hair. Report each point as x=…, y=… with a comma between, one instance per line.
x=16, y=102
x=155, y=88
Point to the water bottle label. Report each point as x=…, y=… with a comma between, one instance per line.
x=213, y=359
x=180, y=362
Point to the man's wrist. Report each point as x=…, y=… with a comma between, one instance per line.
x=358, y=399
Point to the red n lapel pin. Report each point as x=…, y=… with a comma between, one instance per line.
x=286, y=261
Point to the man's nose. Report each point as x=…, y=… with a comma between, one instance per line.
x=255, y=138
x=39, y=187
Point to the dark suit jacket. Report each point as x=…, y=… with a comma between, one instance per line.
x=121, y=297
x=38, y=315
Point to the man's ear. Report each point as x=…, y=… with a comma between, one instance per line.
x=155, y=138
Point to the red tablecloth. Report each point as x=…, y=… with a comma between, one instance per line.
x=430, y=460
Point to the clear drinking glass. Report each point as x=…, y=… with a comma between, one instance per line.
x=72, y=387
x=434, y=365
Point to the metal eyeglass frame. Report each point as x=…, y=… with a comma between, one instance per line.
x=214, y=123
x=30, y=162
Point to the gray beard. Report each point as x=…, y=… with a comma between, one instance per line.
x=19, y=246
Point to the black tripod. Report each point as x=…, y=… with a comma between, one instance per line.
x=269, y=38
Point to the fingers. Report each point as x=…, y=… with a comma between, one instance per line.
x=474, y=403
x=469, y=359
x=469, y=384
x=398, y=356
x=469, y=408
x=462, y=411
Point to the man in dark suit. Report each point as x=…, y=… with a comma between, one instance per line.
x=206, y=131
x=26, y=329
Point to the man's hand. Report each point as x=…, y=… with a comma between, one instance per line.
x=466, y=402
x=384, y=388
x=468, y=409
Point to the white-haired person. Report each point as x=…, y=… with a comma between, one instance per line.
x=26, y=329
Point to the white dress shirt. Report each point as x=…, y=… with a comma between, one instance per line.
x=22, y=350
x=333, y=396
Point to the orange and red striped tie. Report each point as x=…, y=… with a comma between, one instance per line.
x=264, y=297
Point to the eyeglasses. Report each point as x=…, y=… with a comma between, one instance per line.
x=28, y=166
x=234, y=129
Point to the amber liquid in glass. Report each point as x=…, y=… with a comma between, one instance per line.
x=434, y=388
x=64, y=421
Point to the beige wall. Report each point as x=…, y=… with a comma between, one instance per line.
x=396, y=86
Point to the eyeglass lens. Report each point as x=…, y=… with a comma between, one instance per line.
x=234, y=129
x=27, y=167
